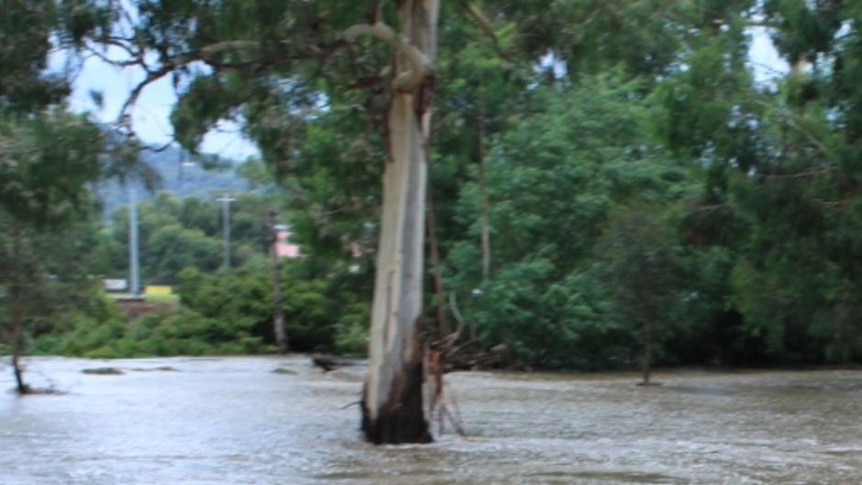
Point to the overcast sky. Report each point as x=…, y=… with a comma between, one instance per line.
x=151, y=113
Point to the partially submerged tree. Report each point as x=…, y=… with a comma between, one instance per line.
x=44, y=282
x=46, y=161
x=47, y=158
x=641, y=271
x=392, y=402
x=262, y=62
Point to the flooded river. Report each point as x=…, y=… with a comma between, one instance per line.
x=235, y=421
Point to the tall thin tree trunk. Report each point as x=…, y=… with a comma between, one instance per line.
x=646, y=314
x=485, y=221
x=17, y=314
x=277, y=297
x=647, y=363
x=17, y=335
x=392, y=410
x=439, y=291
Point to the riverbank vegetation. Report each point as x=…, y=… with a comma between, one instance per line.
x=623, y=189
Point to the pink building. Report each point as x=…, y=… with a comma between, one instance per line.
x=283, y=247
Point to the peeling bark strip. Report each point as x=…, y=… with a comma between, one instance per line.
x=392, y=410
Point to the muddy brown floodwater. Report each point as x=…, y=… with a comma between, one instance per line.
x=235, y=421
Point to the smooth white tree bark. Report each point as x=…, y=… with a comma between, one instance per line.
x=392, y=401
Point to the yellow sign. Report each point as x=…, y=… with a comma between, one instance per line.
x=158, y=290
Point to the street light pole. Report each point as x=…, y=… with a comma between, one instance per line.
x=134, y=254
x=226, y=226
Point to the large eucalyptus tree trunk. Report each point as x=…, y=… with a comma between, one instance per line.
x=392, y=408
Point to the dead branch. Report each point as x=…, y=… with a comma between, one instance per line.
x=436, y=383
x=455, y=418
x=456, y=312
x=798, y=175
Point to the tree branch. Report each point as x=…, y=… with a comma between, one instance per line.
x=811, y=138
x=159, y=149
x=420, y=64
x=229, y=45
x=124, y=118
x=485, y=26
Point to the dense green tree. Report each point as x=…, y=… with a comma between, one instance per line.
x=555, y=177
x=25, y=87
x=46, y=162
x=47, y=157
x=781, y=165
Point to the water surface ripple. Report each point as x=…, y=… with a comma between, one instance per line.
x=235, y=421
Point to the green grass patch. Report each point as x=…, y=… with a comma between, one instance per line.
x=170, y=298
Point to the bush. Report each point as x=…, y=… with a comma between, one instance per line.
x=183, y=332
x=89, y=334
x=226, y=314
x=551, y=324
x=318, y=312
x=351, y=331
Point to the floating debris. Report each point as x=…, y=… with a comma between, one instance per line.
x=104, y=371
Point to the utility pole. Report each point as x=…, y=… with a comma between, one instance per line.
x=226, y=226
x=277, y=299
x=134, y=254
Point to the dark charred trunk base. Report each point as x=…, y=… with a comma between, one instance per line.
x=20, y=387
x=402, y=418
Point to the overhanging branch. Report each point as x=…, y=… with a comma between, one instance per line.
x=420, y=64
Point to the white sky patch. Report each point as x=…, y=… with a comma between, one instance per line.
x=550, y=60
x=765, y=62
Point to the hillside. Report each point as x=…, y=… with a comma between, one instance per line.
x=179, y=176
